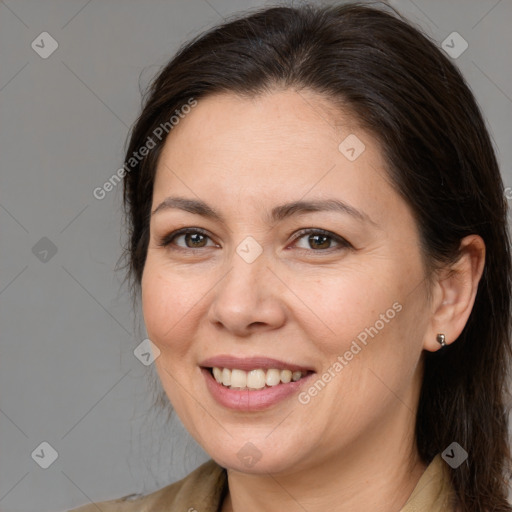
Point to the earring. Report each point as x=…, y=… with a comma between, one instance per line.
x=441, y=340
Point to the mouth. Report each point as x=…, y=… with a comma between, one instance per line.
x=252, y=384
x=253, y=380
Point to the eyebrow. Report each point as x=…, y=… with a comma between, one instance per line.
x=277, y=214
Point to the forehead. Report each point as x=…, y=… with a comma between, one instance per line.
x=247, y=155
x=284, y=134
x=249, y=160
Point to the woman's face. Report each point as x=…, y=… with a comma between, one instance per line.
x=264, y=286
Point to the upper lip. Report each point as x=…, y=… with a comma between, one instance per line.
x=251, y=363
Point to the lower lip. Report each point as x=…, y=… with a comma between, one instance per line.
x=251, y=400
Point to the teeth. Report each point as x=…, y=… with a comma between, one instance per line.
x=226, y=377
x=286, y=376
x=254, y=379
x=273, y=377
x=238, y=378
x=217, y=373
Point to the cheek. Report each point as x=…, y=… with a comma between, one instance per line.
x=371, y=351
x=372, y=316
x=168, y=300
x=345, y=304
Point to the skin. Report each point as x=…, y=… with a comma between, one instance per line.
x=352, y=447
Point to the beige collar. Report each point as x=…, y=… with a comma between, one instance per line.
x=434, y=491
x=203, y=491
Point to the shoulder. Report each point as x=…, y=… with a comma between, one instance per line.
x=200, y=490
x=434, y=491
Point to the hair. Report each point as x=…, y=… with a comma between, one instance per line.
x=401, y=89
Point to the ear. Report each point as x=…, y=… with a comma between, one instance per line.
x=454, y=293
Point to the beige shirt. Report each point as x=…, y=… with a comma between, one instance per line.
x=203, y=489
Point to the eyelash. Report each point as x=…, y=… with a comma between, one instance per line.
x=167, y=240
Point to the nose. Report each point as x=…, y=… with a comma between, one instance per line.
x=248, y=299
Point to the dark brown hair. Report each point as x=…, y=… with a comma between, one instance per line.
x=401, y=88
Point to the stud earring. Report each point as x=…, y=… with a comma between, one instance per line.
x=441, y=340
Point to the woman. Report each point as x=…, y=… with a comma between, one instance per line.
x=318, y=233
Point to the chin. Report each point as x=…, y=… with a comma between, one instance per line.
x=255, y=465
x=258, y=456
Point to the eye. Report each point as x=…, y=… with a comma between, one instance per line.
x=321, y=240
x=193, y=238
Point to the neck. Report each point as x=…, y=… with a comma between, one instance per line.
x=375, y=473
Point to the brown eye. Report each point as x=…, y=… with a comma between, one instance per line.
x=320, y=240
x=194, y=240
x=186, y=238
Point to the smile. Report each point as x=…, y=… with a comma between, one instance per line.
x=254, y=379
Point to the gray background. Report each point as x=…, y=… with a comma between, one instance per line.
x=68, y=375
